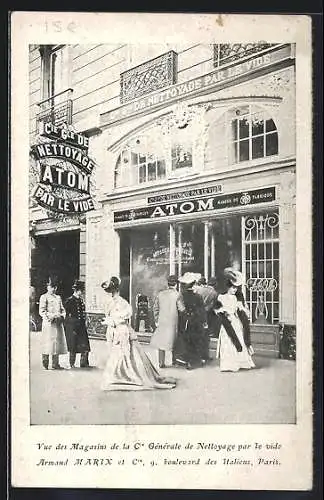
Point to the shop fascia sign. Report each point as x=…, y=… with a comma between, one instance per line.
x=214, y=80
x=199, y=205
x=70, y=173
x=188, y=194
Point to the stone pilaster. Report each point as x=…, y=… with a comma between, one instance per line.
x=287, y=251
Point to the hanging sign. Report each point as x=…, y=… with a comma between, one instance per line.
x=63, y=133
x=201, y=205
x=64, y=172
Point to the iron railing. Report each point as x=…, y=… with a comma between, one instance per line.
x=57, y=109
x=225, y=53
x=147, y=77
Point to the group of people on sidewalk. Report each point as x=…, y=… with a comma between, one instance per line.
x=184, y=322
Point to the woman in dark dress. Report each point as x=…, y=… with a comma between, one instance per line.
x=190, y=349
x=75, y=327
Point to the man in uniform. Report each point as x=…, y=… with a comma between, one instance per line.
x=75, y=326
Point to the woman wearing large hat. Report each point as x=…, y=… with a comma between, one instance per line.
x=127, y=367
x=52, y=313
x=75, y=326
x=234, y=347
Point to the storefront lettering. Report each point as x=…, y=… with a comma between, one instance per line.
x=62, y=205
x=55, y=175
x=197, y=205
x=262, y=284
x=57, y=180
x=70, y=153
x=215, y=78
x=191, y=193
x=62, y=133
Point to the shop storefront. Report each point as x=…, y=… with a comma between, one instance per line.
x=203, y=182
x=205, y=235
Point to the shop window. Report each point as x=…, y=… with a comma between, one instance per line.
x=253, y=134
x=261, y=265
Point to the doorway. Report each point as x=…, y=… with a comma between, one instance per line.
x=55, y=254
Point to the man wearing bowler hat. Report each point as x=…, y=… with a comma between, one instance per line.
x=75, y=326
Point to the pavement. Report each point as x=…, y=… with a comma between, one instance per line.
x=264, y=395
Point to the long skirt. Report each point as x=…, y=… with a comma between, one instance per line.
x=132, y=370
x=53, y=338
x=230, y=359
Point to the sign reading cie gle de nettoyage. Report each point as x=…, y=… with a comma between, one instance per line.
x=65, y=167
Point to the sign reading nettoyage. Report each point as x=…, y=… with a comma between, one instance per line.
x=64, y=173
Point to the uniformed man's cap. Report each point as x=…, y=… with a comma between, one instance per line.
x=78, y=285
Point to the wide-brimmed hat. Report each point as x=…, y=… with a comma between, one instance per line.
x=78, y=285
x=233, y=276
x=189, y=278
x=172, y=280
x=111, y=285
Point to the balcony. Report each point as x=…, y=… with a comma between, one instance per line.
x=226, y=53
x=56, y=109
x=147, y=77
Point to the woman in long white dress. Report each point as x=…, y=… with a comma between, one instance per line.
x=234, y=353
x=127, y=367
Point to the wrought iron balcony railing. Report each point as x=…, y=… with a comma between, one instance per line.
x=57, y=108
x=148, y=77
x=225, y=53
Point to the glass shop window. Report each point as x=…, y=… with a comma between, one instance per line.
x=261, y=263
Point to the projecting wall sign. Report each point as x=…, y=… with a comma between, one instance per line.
x=205, y=204
x=64, y=172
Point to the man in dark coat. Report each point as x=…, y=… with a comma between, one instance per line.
x=191, y=348
x=209, y=295
x=75, y=327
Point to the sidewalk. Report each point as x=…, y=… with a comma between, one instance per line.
x=265, y=395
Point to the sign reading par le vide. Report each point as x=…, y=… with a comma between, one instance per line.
x=203, y=204
x=64, y=171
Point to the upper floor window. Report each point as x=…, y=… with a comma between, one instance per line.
x=56, y=103
x=253, y=134
x=244, y=133
x=170, y=148
x=55, y=69
x=137, y=168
